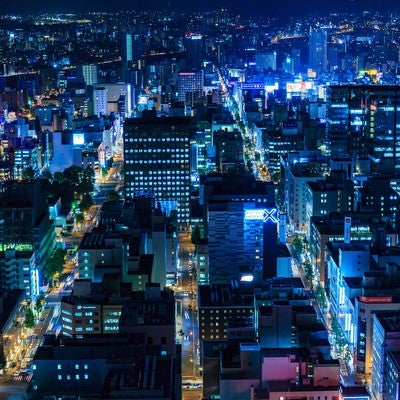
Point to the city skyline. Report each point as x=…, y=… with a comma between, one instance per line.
x=190, y=198
x=282, y=9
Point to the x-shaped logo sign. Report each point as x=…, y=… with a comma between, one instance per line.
x=270, y=215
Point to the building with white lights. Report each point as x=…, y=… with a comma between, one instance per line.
x=156, y=160
x=25, y=224
x=241, y=221
x=386, y=338
x=190, y=85
x=242, y=241
x=100, y=101
x=18, y=271
x=365, y=309
x=297, y=169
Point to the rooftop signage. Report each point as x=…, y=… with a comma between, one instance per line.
x=383, y=299
x=262, y=214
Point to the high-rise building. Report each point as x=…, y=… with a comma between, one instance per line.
x=193, y=43
x=18, y=271
x=318, y=51
x=100, y=101
x=24, y=221
x=296, y=57
x=89, y=72
x=229, y=150
x=362, y=122
x=131, y=49
x=242, y=241
x=190, y=85
x=241, y=224
x=126, y=49
x=329, y=195
x=266, y=60
x=297, y=170
x=120, y=98
x=386, y=338
x=156, y=160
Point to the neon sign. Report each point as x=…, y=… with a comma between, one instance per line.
x=262, y=214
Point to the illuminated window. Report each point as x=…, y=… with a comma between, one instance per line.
x=59, y=377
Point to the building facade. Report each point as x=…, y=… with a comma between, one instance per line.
x=190, y=85
x=362, y=122
x=156, y=161
x=318, y=51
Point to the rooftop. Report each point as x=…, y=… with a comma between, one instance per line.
x=222, y=296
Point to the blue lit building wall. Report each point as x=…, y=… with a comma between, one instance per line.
x=363, y=120
x=260, y=238
x=270, y=244
x=242, y=240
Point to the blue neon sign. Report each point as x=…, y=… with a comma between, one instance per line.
x=262, y=214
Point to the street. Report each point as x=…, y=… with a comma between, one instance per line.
x=187, y=320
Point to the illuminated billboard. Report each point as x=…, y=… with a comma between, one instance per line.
x=78, y=139
x=295, y=87
x=252, y=86
x=262, y=214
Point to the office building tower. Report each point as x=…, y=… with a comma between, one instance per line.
x=120, y=98
x=156, y=160
x=242, y=241
x=89, y=73
x=365, y=307
x=131, y=54
x=296, y=57
x=297, y=170
x=253, y=94
x=380, y=195
x=344, y=261
x=330, y=228
x=18, y=271
x=362, y=122
x=190, y=85
x=386, y=338
x=288, y=65
x=27, y=157
x=392, y=374
x=318, y=51
x=241, y=222
x=97, y=250
x=333, y=194
x=265, y=61
x=333, y=57
x=24, y=221
x=100, y=101
x=228, y=150
x=193, y=43
x=126, y=49
x=213, y=300
x=131, y=49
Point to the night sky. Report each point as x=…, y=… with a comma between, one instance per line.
x=281, y=8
